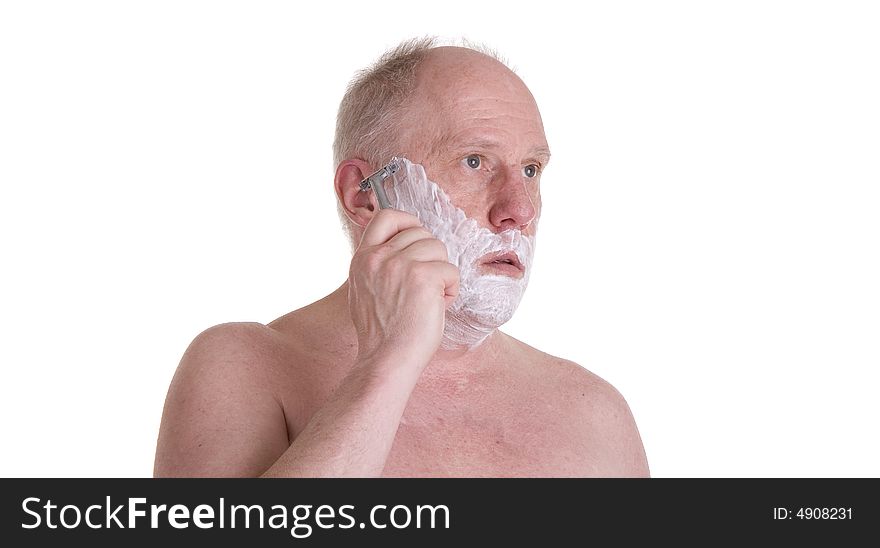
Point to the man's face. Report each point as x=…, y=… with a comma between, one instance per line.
x=476, y=129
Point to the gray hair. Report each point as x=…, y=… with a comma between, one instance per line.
x=370, y=110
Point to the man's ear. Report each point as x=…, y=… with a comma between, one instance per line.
x=359, y=206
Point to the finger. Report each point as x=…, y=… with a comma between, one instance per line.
x=385, y=224
x=406, y=238
x=426, y=250
x=451, y=276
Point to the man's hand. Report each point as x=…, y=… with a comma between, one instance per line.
x=400, y=283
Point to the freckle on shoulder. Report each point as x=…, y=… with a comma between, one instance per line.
x=573, y=380
x=547, y=363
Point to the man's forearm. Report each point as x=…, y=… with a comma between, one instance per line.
x=352, y=434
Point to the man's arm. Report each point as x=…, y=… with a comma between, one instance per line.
x=352, y=434
x=222, y=418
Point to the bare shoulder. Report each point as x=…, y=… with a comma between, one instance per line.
x=241, y=345
x=594, y=415
x=230, y=357
x=222, y=416
x=605, y=423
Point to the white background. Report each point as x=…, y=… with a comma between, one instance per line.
x=709, y=241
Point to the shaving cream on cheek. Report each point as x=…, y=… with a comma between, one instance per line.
x=484, y=302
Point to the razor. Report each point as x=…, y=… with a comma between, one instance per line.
x=375, y=180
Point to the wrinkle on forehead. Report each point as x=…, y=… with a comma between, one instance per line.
x=460, y=90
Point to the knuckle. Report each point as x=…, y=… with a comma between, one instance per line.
x=395, y=266
x=383, y=250
x=420, y=273
x=371, y=260
x=440, y=249
x=418, y=232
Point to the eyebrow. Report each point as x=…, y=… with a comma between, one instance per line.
x=541, y=152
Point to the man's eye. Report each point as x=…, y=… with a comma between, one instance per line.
x=473, y=161
x=530, y=171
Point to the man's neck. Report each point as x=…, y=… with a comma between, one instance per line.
x=460, y=364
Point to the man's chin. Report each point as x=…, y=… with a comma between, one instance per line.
x=466, y=330
x=483, y=322
x=487, y=305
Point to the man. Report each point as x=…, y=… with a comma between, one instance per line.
x=391, y=375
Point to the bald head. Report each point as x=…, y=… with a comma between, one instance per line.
x=456, y=89
x=368, y=121
x=445, y=64
x=419, y=100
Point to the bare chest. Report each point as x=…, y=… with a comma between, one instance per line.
x=483, y=443
x=506, y=426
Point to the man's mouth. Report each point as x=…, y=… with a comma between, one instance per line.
x=504, y=263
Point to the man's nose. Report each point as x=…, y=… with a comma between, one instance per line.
x=514, y=204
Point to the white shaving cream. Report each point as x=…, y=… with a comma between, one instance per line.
x=484, y=302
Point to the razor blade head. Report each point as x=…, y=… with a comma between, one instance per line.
x=381, y=174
